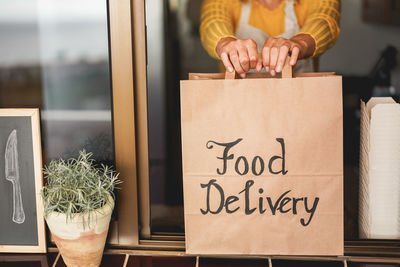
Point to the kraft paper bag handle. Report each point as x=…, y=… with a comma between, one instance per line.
x=230, y=75
x=287, y=71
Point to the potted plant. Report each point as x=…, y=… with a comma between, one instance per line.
x=78, y=202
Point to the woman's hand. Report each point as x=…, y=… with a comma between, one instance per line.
x=276, y=50
x=239, y=55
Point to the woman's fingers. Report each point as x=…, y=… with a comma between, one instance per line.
x=283, y=53
x=244, y=59
x=295, y=55
x=278, y=54
x=241, y=55
x=259, y=65
x=274, y=54
x=226, y=62
x=266, y=51
x=253, y=56
x=237, y=54
x=265, y=57
x=234, y=58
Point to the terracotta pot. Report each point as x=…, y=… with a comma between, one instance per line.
x=80, y=241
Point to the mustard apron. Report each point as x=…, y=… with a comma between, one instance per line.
x=246, y=31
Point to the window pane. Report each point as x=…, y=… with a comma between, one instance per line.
x=54, y=55
x=173, y=50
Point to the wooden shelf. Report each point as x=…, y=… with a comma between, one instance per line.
x=364, y=255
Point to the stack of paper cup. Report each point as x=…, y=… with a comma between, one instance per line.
x=380, y=175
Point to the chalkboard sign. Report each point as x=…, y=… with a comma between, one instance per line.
x=21, y=219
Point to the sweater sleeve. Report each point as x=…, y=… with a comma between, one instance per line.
x=216, y=22
x=322, y=23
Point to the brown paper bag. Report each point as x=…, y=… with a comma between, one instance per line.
x=262, y=164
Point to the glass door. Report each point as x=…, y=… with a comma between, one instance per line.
x=173, y=50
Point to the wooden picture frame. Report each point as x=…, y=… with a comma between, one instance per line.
x=22, y=227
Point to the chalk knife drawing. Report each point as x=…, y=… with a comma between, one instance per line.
x=12, y=175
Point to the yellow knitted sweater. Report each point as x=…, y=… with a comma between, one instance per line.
x=318, y=18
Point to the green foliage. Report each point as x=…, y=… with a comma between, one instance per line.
x=77, y=185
